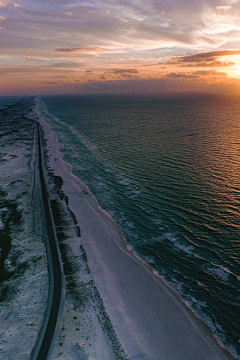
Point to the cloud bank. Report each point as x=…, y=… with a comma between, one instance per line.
x=117, y=39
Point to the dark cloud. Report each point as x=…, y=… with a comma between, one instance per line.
x=208, y=56
x=50, y=82
x=125, y=71
x=195, y=74
x=77, y=50
x=210, y=64
x=174, y=75
x=209, y=73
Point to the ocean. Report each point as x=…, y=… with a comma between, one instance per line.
x=166, y=169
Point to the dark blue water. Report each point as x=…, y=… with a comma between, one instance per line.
x=167, y=170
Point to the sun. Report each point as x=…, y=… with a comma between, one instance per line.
x=237, y=72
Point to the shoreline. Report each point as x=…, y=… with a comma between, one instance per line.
x=102, y=267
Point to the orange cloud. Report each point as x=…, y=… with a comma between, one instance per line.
x=224, y=7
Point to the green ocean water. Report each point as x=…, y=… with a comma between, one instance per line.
x=167, y=170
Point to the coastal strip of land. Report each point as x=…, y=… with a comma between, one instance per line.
x=24, y=279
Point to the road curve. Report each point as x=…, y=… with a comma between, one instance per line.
x=55, y=297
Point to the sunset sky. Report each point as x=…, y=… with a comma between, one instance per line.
x=119, y=46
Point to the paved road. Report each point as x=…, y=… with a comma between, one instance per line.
x=41, y=349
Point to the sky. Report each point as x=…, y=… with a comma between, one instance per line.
x=119, y=46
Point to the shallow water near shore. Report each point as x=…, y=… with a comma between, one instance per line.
x=167, y=171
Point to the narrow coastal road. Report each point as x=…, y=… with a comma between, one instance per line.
x=43, y=344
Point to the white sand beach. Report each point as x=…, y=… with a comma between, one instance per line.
x=149, y=320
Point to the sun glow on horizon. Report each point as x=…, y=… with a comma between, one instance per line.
x=232, y=68
x=237, y=72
